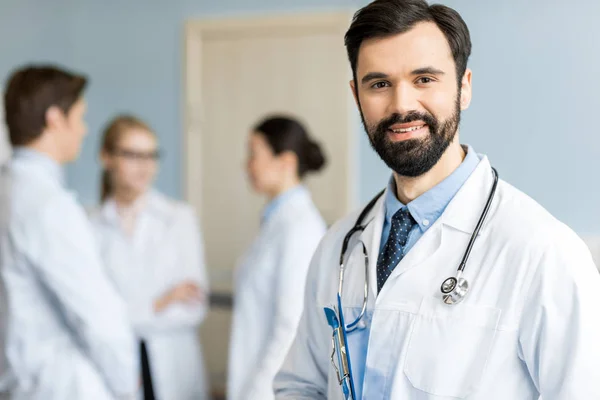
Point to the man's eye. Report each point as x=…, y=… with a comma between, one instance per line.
x=424, y=80
x=379, y=85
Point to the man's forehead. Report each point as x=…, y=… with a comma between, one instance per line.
x=423, y=44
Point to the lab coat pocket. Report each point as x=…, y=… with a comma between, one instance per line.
x=449, y=347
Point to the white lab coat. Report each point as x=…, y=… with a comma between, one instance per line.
x=165, y=249
x=529, y=325
x=269, y=287
x=63, y=328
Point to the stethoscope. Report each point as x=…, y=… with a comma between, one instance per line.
x=453, y=289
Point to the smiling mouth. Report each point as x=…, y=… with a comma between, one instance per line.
x=406, y=130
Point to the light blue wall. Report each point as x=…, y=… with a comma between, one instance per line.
x=536, y=87
x=535, y=83
x=31, y=29
x=132, y=51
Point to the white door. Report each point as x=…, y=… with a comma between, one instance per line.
x=237, y=72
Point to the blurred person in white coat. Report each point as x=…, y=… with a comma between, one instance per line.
x=270, y=277
x=153, y=251
x=64, y=329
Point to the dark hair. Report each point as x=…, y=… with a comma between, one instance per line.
x=383, y=18
x=287, y=134
x=113, y=132
x=30, y=92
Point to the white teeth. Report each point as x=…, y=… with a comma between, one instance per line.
x=413, y=128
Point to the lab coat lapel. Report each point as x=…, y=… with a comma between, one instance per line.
x=426, y=248
x=465, y=209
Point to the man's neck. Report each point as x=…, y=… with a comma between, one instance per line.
x=46, y=148
x=408, y=188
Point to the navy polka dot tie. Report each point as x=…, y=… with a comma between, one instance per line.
x=393, y=251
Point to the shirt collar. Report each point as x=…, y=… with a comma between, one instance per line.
x=152, y=202
x=40, y=160
x=274, y=204
x=428, y=207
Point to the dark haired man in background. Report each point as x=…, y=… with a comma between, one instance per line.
x=64, y=332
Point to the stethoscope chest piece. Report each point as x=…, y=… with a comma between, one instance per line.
x=454, y=290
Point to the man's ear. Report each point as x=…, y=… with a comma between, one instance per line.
x=54, y=118
x=466, y=90
x=354, y=90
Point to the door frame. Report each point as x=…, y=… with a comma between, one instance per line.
x=198, y=30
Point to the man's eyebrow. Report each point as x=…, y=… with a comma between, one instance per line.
x=427, y=71
x=371, y=76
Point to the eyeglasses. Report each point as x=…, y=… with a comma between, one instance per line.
x=137, y=155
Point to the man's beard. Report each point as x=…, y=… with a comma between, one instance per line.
x=413, y=157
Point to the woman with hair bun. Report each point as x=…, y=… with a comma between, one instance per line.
x=270, y=277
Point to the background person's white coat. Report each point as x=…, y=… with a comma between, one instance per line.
x=166, y=249
x=269, y=296
x=64, y=330
x=528, y=326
